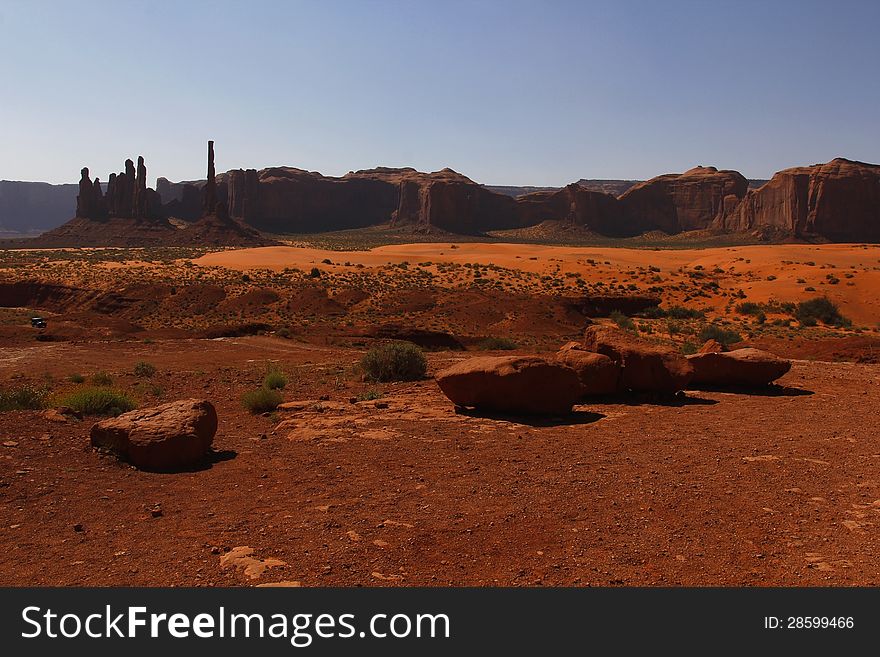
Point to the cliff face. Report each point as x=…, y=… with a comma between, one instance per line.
x=694, y=200
x=34, y=206
x=839, y=200
x=594, y=210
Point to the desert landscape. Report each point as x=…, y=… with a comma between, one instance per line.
x=322, y=473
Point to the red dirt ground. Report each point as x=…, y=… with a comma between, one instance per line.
x=726, y=489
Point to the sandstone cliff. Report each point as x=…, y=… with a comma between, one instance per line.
x=839, y=200
x=693, y=200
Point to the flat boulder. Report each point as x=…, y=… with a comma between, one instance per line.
x=645, y=367
x=518, y=385
x=598, y=374
x=737, y=368
x=167, y=437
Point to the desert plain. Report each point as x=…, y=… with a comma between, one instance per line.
x=359, y=483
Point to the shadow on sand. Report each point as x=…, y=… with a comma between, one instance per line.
x=212, y=457
x=771, y=390
x=573, y=418
x=651, y=399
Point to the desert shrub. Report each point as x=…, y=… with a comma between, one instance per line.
x=653, y=312
x=395, y=361
x=688, y=348
x=274, y=379
x=22, y=398
x=144, y=369
x=680, y=312
x=98, y=400
x=283, y=332
x=821, y=309
x=748, y=308
x=622, y=320
x=102, y=379
x=719, y=334
x=315, y=273
x=76, y=378
x=261, y=400
x=370, y=395
x=496, y=344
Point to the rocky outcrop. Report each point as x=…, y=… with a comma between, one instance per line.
x=598, y=374
x=645, y=367
x=694, y=200
x=164, y=438
x=839, y=201
x=517, y=385
x=748, y=368
x=576, y=205
x=90, y=203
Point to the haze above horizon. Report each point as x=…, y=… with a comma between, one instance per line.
x=507, y=93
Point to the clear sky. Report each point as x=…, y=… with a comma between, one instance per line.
x=506, y=92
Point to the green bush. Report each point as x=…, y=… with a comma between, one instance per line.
x=688, y=348
x=261, y=400
x=748, y=308
x=680, y=312
x=274, y=379
x=102, y=379
x=98, y=400
x=496, y=344
x=22, y=398
x=395, y=361
x=370, y=395
x=76, y=378
x=719, y=334
x=622, y=320
x=821, y=309
x=144, y=369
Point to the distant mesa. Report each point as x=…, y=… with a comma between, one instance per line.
x=838, y=201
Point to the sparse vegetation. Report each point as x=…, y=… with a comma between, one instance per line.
x=720, y=334
x=275, y=379
x=748, y=308
x=144, y=369
x=395, y=361
x=261, y=400
x=496, y=344
x=22, y=398
x=622, y=320
x=98, y=400
x=76, y=378
x=680, y=312
x=821, y=309
x=370, y=395
x=102, y=379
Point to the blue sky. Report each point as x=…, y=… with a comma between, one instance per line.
x=518, y=93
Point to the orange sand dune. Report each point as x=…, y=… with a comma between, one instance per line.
x=790, y=268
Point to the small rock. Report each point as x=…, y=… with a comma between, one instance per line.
x=78, y=527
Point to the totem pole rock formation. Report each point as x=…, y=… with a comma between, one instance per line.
x=209, y=205
x=127, y=197
x=90, y=202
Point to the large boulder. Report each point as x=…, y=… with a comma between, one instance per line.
x=737, y=368
x=645, y=367
x=519, y=385
x=599, y=375
x=166, y=437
